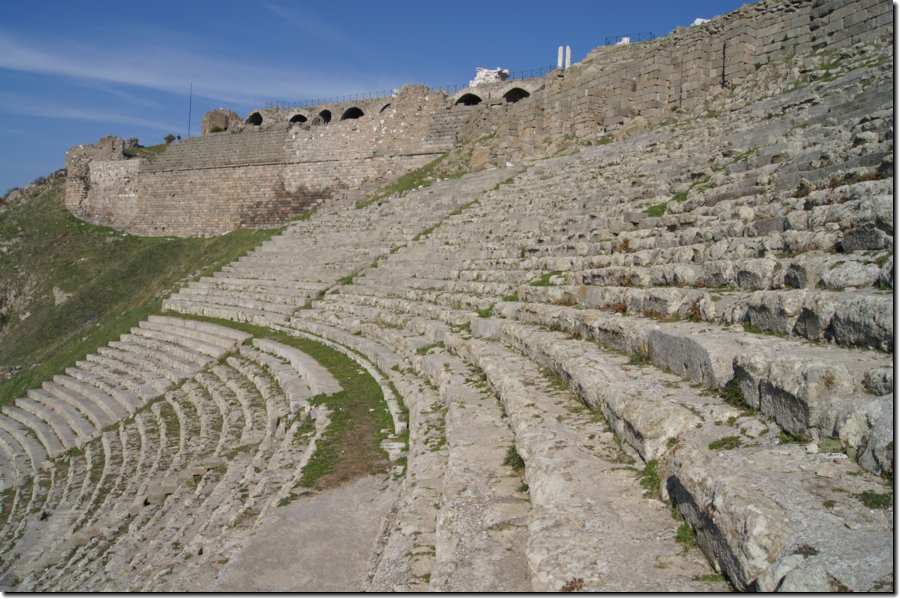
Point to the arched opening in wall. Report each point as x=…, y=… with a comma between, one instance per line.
x=352, y=113
x=254, y=119
x=515, y=94
x=385, y=107
x=468, y=100
x=324, y=117
x=298, y=118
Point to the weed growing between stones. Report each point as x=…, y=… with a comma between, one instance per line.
x=730, y=442
x=513, y=459
x=544, y=281
x=686, y=535
x=649, y=480
x=876, y=501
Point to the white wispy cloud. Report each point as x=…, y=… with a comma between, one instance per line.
x=310, y=25
x=171, y=69
x=29, y=106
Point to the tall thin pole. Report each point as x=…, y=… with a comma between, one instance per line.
x=190, y=106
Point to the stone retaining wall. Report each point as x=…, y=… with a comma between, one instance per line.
x=256, y=174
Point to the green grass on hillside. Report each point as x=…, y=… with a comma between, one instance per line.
x=116, y=281
x=146, y=152
x=424, y=176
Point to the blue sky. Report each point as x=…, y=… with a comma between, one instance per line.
x=72, y=72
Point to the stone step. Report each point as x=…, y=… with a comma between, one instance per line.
x=647, y=410
x=142, y=383
x=215, y=342
x=259, y=317
x=52, y=443
x=56, y=420
x=849, y=318
x=293, y=386
x=34, y=448
x=74, y=417
x=481, y=526
x=115, y=403
x=590, y=519
x=95, y=413
x=316, y=376
x=239, y=300
x=809, y=391
x=408, y=557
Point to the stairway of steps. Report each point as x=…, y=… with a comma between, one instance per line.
x=271, y=282
x=171, y=485
x=741, y=342
x=664, y=363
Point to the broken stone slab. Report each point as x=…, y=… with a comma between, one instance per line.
x=765, y=517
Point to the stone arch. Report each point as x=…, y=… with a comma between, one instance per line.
x=254, y=119
x=515, y=94
x=385, y=107
x=298, y=118
x=324, y=117
x=352, y=113
x=468, y=100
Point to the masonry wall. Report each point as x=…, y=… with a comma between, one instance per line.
x=261, y=174
x=690, y=70
x=257, y=175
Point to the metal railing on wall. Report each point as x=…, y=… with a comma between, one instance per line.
x=641, y=36
x=449, y=89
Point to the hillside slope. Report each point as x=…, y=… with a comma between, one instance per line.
x=68, y=287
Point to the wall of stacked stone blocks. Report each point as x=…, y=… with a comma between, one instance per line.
x=251, y=175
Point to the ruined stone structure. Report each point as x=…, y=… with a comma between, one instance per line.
x=281, y=163
x=662, y=361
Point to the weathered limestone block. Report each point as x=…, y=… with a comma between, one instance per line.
x=867, y=321
x=775, y=311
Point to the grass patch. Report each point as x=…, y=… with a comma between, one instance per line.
x=116, y=280
x=785, y=437
x=686, y=535
x=656, y=210
x=730, y=442
x=148, y=152
x=425, y=233
x=875, y=501
x=649, y=480
x=424, y=176
x=512, y=297
x=544, y=281
x=426, y=348
x=733, y=394
x=487, y=312
x=513, y=459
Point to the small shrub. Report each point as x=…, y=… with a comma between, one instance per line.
x=785, y=437
x=216, y=129
x=512, y=297
x=576, y=584
x=169, y=138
